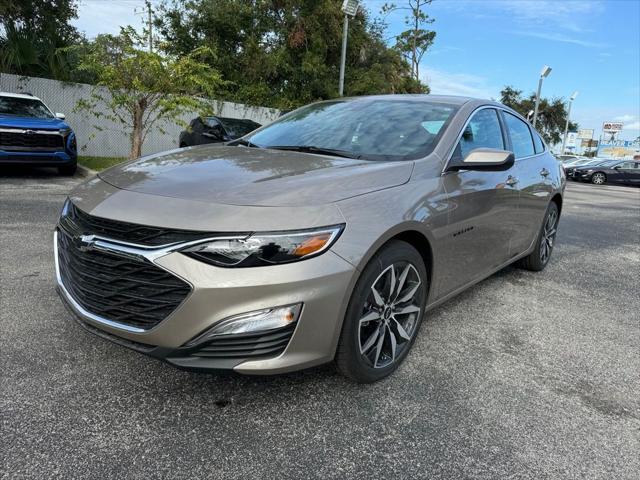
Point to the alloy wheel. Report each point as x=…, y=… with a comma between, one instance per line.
x=598, y=178
x=391, y=314
x=548, y=235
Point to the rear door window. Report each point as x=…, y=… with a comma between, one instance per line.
x=521, y=140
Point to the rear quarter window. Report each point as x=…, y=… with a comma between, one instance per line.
x=521, y=140
x=537, y=142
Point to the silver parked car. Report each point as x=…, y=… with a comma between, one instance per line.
x=326, y=235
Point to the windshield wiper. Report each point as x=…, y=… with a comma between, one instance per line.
x=318, y=150
x=244, y=143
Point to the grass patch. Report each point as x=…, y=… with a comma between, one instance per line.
x=99, y=163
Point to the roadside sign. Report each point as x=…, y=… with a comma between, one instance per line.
x=585, y=133
x=350, y=7
x=571, y=139
x=619, y=149
x=612, y=126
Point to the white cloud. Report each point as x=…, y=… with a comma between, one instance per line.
x=632, y=126
x=449, y=83
x=560, y=37
x=625, y=118
x=566, y=21
x=566, y=15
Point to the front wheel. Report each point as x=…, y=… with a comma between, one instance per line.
x=541, y=253
x=598, y=178
x=384, y=314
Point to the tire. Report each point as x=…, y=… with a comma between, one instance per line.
x=538, y=259
x=394, y=315
x=598, y=178
x=68, y=170
x=183, y=145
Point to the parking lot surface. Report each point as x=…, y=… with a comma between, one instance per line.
x=526, y=375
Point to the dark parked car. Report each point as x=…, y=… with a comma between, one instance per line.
x=617, y=171
x=215, y=130
x=569, y=170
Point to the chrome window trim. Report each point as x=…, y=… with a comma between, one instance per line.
x=495, y=107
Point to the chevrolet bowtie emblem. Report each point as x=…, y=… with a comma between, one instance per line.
x=84, y=243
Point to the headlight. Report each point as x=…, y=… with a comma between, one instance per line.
x=590, y=170
x=266, y=248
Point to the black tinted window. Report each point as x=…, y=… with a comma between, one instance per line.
x=372, y=128
x=520, y=136
x=537, y=143
x=482, y=131
x=238, y=127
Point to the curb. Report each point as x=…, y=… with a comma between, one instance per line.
x=85, y=172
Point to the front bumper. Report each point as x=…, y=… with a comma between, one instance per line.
x=37, y=158
x=322, y=284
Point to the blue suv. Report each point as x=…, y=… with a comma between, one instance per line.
x=30, y=134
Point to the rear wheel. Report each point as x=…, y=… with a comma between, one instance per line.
x=598, y=178
x=541, y=254
x=384, y=314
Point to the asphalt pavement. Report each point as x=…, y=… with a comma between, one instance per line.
x=526, y=375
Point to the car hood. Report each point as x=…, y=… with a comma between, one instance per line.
x=255, y=176
x=8, y=121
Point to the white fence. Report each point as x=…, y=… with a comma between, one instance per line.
x=103, y=138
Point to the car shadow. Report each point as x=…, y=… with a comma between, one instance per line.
x=11, y=171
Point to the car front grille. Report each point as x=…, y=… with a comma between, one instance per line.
x=249, y=345
x=77, y=221
x=125, y=289
x=20, y=140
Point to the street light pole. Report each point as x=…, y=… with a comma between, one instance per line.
x=546, y=70
x=350, y=8
x=345, y=31
x=566, y=125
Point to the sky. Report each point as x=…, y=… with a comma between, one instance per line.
x=593, y=47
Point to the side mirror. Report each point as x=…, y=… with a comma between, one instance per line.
x=617, y=167
x=488, y=159
x=60, y=116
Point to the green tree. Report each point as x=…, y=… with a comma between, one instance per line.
x=145, y=89
x=284, y=53
x=32, y=34
x=552, y=113
x=414, y=42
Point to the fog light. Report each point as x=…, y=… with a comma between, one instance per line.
x=251, y=322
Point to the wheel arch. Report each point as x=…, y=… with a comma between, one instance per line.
x=411, y=234
x=557, y=199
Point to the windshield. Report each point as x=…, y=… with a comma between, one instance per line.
x=23, y=107
x=371, y=129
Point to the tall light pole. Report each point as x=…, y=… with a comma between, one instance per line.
x=566, y=125
x=141, y=11
x=350, y=8
x=546, y=70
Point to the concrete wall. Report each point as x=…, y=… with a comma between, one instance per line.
x=102, y=137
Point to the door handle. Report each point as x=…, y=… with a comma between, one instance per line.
x=544, y=172
x=511, y=181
